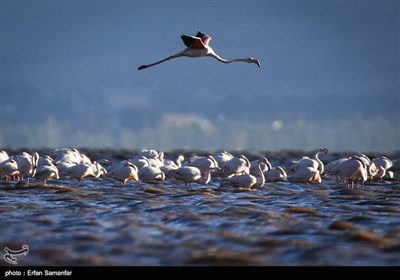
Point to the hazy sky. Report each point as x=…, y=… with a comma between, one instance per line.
x=319, y=59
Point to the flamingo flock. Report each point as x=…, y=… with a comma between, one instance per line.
x=227, y=170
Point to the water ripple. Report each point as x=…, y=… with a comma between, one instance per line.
x=95, y=222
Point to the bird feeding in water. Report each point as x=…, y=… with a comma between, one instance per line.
x=198, y=46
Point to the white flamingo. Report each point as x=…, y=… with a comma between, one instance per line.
x=352, y=169
x=156, y=158
x=27, y=164
x=99, y=170
x=187, y=174
x=275, y=174
x=3, y=156
x=315, y=163
x=380, y=173
x=265, y=167
x=149, y=173
x=223, y=157
x=192, y=174
x=148, y=153
x=170, y=165
x=66, y=155
x=332, y=164
x=245, y=180
x=139, y=161
x=80, y=171
x=383, y=161
x=63, y=168
x=207, y=178
x=9, y=169
x=43, y=160
x=46, y=171
x=236, y=165
x=177, y=163
x=123, y=172
x=204, y=163
x=306, y=175
x=198, y=46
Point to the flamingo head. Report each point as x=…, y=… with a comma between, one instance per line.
x=323, y=150
x=253, y=60
x=266, y=162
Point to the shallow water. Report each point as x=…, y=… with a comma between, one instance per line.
x=101, y=222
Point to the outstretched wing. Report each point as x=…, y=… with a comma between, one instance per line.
x=192, y=42
x=204, y=37
x=188, y=40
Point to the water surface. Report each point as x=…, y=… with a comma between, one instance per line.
x=101, y=222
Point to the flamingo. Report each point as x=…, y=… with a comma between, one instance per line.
x=198, y=46
x=149, y=173
x=223, y=157
x=246, y=180
x=9, y=168
x=383, y=161
x=236, y=165
x=175, y=164
x=351, y=169
x=275, y=174
x=265, y=167
x=27, y=164
x=306, y=175
x=155, y=158
x=67, y=155
x=192, y=174
x=187, y=174
x=123, y=172
x=46, y=171
x=382, y=164
x=315, y=163
x=332, y=164
x=80, y=171
x=203, y=163
x=45, y=160
x=99, y=170
x=169, y=165
x=3, y=156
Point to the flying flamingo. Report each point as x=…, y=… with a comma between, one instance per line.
x=197, y=46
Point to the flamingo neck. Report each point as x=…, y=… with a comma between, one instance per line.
x=261, y=174
x=179, y=161
x=226, y=61
x=239, y=59
x=207, y=178
x=321, y=167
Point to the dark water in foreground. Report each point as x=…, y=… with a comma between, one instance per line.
x=100, y=222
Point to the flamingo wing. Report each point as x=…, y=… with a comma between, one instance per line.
x=192, y=42
x=204, y=37
x=199, y=34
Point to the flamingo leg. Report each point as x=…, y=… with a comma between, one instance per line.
x=160, y=61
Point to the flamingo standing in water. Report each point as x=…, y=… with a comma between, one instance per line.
x=197, y=46
x=246, y=180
